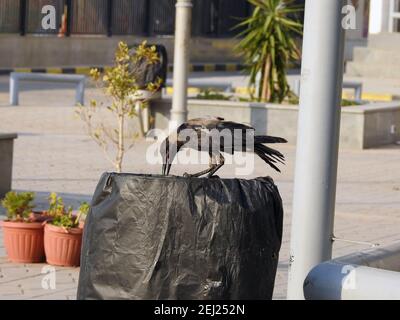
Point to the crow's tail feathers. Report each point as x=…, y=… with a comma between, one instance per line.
x=268, y=139
x=269, y=155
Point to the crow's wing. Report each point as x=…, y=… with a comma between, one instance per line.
x=269, y=139
x=207, y=122
x=202, y=126
x=233, y=125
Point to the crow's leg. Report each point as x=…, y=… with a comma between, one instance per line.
x=212, y=165
x=221, y=162
x=198, y=174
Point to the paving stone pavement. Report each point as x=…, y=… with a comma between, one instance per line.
x=52, y=153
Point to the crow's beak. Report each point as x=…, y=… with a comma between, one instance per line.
x=168, y=167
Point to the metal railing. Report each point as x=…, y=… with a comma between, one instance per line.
x=371, y=274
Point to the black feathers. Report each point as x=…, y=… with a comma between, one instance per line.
x=209, y=134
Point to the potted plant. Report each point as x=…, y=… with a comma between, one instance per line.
x=62, y=234
x=23, y=236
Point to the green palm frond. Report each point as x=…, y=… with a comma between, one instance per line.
x=268, y=46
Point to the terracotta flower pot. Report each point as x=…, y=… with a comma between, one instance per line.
x=62, y=247
x=23, y=241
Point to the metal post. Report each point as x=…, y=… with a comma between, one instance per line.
x=392, y=6
x=68, y=4
x=80, y=92
x=22, y=17
x=317, y=142
x=109, y=17
x=14, y=89
x=358, y=93
x=181, y=62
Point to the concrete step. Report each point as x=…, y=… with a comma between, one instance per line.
x=379, y=59
x=374, y=70
x=386, y=41
x=374, y=55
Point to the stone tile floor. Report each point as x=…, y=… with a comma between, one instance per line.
x=52, y=153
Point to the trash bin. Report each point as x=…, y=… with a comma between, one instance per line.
x=158, y=237
x=152, y=71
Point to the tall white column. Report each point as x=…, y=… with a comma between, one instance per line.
x=379, y=13
x=317, y=141
x=181, y=62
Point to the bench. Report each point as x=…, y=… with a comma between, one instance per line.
x=6, y=161
x=206, y=84
x=356, y=85
x=17, y=77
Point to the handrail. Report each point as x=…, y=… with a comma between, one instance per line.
x=370, y=274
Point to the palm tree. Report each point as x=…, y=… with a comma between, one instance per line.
x=268, y=46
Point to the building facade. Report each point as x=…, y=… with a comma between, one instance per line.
x=87, y=31
x=384, y=16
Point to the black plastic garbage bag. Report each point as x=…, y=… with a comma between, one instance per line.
x=157, y=237
x=151, y=71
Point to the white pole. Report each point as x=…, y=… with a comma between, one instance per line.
x=181, y=62
x=317, y=141
x=14, y=89
x=80, y=92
